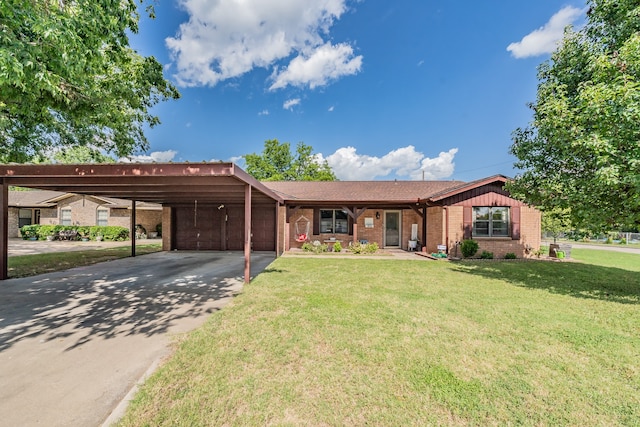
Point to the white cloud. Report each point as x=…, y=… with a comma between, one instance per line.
x=224, y=39
x=348, y=165
x=545, y=39
x=154, y=157
x=324, y=64
x=289, y=104
x=263, y=113
x=331, y=108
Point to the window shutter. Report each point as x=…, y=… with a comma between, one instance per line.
x=515, y=223
x=467, y=221
x=350, y=225
x=316, y=222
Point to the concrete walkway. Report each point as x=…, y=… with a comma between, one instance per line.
x=74, y=343
x=29, y=247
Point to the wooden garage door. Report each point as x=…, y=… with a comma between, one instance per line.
x=198, y=229
x=208, y=228
x=263, y=224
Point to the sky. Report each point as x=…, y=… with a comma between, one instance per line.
x=406, y=90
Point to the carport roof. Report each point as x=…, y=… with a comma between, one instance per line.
x=165, y=183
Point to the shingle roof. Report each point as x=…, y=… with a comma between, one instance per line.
x=360, y=191
x=47, y=199
x=32, y=199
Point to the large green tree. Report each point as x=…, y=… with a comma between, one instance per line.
x=278, y=163
x=582, y=150
x=68, y=77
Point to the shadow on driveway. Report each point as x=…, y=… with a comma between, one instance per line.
x=72, y=343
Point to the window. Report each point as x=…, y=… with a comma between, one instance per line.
x=65, y=216
x=334, y=221
x=102, y=217
x=490, y=221
x=24, y=217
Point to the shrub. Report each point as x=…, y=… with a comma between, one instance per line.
x=159, y=229
x=315, y=247
x=29, y=231
x=469, y=248
x=337, y=247
x=510, y=255
x=623, y=241
x=486, y=255
x=363, y=248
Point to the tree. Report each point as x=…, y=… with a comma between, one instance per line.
x=582, y=150
x=69, y=78
x=277, y=163
x=76, y=154
x=556, y=222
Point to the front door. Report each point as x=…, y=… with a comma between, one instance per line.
x=392, y=229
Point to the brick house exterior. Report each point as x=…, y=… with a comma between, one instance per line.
x=439, y=213
x=444, y=213
x=54, y=208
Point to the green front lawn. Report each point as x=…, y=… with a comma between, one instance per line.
x=386, y=342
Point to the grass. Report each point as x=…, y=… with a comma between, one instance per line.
x=31, y=265
x=327, y=342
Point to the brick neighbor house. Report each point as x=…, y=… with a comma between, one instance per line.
x=56, y=208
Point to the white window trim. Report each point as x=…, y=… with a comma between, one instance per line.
x=491, y=235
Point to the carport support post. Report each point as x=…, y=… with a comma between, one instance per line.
x=132, y=228
x=4, y=230
x=247, y=233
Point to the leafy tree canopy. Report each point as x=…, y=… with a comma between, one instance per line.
x=69, y=78
x=81, y=154
x=582, y=150
x=278, y=163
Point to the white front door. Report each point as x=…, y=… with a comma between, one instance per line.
x=392, y=229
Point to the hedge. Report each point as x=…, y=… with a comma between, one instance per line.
x=109, y=232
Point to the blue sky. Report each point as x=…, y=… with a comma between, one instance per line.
x=381, y=90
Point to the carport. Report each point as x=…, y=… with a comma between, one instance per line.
x=206, y=206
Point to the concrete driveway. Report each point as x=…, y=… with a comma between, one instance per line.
x=74, y=343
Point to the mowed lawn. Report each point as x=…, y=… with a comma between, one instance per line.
x=332, y=342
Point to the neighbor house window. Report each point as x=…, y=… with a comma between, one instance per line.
x=102, y=217
x=490, y=221
x=334, y=221
x=24, y=217
x=65, y=216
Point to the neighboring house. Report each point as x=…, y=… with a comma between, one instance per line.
x=55, y=208
x=439, y=213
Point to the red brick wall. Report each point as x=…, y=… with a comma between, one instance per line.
x=523, y=247
x=373, y=234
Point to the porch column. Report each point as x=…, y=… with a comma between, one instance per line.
x=4, y=230
x=277, y=233
x=355, y=231
x=247, y=233
x=288, y=213
x=132, y=228
x=424, y=229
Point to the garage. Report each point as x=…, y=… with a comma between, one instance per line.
x=221, y=228
x=206, y=206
